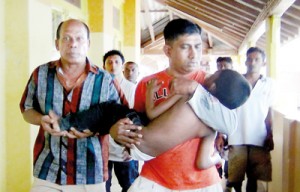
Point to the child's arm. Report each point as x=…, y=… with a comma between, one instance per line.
x=205, y=159
x=154, y=111
x=269, y=142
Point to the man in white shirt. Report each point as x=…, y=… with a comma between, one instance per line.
x=125, y=170
x=251, y=143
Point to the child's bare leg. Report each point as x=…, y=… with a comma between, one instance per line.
x=206, y=157
x=175, y=126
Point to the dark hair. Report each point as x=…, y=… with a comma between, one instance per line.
x=256, y=49
x=178, y=27
x=225, y=59
x=232, y=89
x=131, y=62
x=61, y=23
x=219, y=59
x=113, y=52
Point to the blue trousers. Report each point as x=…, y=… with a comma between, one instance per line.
x=126, y=173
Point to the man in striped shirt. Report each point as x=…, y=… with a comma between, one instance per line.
x=68, y=161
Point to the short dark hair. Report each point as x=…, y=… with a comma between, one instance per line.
x=256, y=49
x=131, y=62
x=60, y=25
x=113, y=52
x=232, y=88
x=226, y=59
x=219, y=59
x=178, y=27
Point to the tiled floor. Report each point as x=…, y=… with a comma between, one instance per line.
x=261, y=186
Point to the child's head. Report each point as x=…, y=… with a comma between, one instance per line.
x=230, y=87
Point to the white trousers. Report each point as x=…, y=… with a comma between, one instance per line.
x=40, y=185
x=142, y=184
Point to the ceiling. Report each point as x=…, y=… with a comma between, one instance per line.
x=228, y=25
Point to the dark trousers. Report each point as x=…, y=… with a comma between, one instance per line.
x=126, y=173
x=220, y=170
x=226, y=169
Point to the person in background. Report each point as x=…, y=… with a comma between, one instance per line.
x=221, y=141
x=224, y=63
x=251, y=143
x=126, y=170
x=113, y=62
x=68, y=161
x=131, y=71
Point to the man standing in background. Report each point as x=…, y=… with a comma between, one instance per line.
x=224, y=63
x=131, y=71
x=126, y=170
x=221, y=141
x=251, y=143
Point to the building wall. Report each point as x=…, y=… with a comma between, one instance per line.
x=17, y=134
x=2, y=98
x=132, y=28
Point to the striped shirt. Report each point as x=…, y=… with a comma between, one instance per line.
x=58, y=159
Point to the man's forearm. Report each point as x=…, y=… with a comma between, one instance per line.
x=268, y=122
x=32, y=116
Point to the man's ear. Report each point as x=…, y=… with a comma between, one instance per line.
x=89, y=43
x=167, y=50
x=56, y=44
